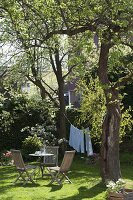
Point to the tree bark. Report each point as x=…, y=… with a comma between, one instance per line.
x=61, y=119
x=110, y=166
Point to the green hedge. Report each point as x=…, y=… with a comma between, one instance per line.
x=18, y=112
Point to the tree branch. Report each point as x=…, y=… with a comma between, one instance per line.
x=63, y=56
x=70, y=70
x=52, y=62
x=49, y=86
x=62, y=14
x=42, y=88
x=124, y=80
x=3, y=73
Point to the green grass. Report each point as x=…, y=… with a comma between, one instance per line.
x=86, y=184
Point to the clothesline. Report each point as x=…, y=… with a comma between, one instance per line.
x=71, y=123
x=67, y=118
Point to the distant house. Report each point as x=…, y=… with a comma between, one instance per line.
x=71, y=97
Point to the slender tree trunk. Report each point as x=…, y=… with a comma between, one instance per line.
x=110, y=166
x=60, y=80
x=62, y=120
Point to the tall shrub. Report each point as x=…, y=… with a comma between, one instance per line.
x=18, y=112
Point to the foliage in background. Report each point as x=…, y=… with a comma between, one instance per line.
x=120, y=62
x=126, y=122
x=39, y=135
x=92, y=110
x=18, y=112
x=30, y=145
x=92, y=106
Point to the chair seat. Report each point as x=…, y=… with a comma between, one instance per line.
x=28, y=167
x=48, y=164
x=55, y=168
x=59, y=173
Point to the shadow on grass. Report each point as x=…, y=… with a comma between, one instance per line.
x=81, y=173
x=6, y=170
x=28, y=185
x=10, y=198
x=127, y=172
x=85, y=192
x=11, y=185
x=8, y=174
x=54, y=187
x=5, y=188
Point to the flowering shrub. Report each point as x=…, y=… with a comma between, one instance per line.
x=30, y=145
x=117, y=186
x=6, y=158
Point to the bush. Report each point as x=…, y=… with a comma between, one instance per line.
x=45, y=133
x=30, y=145
x=18, y=112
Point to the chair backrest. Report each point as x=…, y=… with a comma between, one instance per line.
x=52, y=159
x=67, y=161
x=18, y=160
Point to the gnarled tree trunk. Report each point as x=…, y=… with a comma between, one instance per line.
x=110, y=166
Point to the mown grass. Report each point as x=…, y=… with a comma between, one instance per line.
x=86, y=183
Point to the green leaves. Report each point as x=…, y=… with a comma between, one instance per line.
x=126, y=122
x=93, y=106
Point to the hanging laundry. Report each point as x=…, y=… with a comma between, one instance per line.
x=76, y=139
x=80, y=141
x=71, y=137
x=88, y=143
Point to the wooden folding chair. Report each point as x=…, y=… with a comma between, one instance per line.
x=23, y=169
x=59, y=173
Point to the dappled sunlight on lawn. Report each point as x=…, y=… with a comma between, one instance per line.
x=86, y=184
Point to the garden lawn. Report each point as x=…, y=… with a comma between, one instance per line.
x=86, y=183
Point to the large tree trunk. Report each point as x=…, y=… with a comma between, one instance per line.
x=110, y=166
